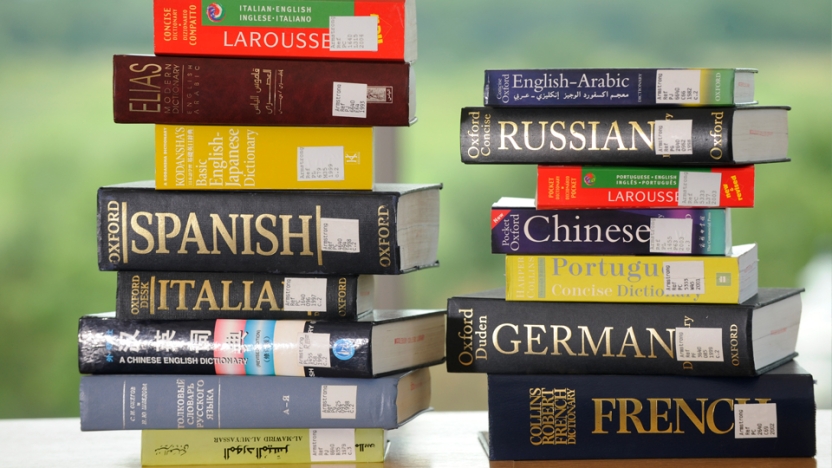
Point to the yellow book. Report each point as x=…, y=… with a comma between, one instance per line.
x=261, y=446
x=207, y=157
x=628, y=278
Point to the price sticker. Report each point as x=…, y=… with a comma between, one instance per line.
x=699, y=188
x=338, y=401
x=331, y=445
x=349, y=100
x=678, y=86
x=320, y=163
x=671, y=235
x=304, y=294
x=699, y=344
x=353, y=33
x=339, y=235
x=755, y=421
x=313, y=349
x=684, y=278
x=673, y=136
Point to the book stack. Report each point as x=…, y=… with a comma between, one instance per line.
x=244, y=329
x=630, y=327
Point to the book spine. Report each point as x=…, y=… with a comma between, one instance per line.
x=224, y=347
x=256, y=446
x=201, y=157
x=267, y=231
x=163, y=295
x=609, y=135
x=644, y=187
x=548, y=417
x=117, y=402
x=333, y=30
x=610, y=87
x=598, y=278
x=222, y=91
x=617, y=232
x=500, y=337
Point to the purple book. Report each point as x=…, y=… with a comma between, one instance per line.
x=517, y=227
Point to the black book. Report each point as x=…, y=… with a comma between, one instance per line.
x=704, y=136
x=568, y=417
x=380, y=343
x=390, y=230
x=488, y=334
x=173, y=295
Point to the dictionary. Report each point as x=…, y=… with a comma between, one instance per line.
x=644, y=187
x=655, y=136
x=487, y=334
x=620, y=87
x=176, y=295
x=517, y=227
x=226, y=91
x=381, y=343
x=382, y=30
x=255, y=446
x=125, y=402
x=208, y=157
x=634, y=278
x=568, y=417
x=390, y=230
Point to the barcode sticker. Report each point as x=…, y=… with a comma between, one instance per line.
x=677, y=86
x=671, y=235
x=699, y=188
x=755, y=421
x=331, y=445
x=684, y=277
x=338, y=401
x=353, y=33
x=349, y=100
x=674, y=136
x=339, y=235
x=313, y=349
x=304, y=294
x=320, y=163
x=699, y=344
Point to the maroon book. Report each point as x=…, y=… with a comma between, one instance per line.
x=231, y=91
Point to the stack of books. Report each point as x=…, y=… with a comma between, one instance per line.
x=244, y=329
x=630, y=327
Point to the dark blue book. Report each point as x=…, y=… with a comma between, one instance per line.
x=568, y=417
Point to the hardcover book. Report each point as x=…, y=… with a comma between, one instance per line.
x=704, y=136
x=124, y=402
x=393, y=229
x=518, y=228
x=568, y=417
x=381, y=343
x=173, y=295
x=488, y=334
x=224, y=91
x=256, y=446
x=630, y=278
x=206, y=157
x=316, y=29
x=620, y=87
x=644, y=187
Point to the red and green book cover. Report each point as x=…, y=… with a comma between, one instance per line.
x=315, y=29
x=567, y=187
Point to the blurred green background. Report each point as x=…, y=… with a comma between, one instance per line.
x=59, y=145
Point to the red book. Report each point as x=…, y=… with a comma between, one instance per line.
x=225, y=91
x=321, y=29
x=561, y=187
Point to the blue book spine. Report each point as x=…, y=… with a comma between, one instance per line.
x=529, y=231
x=567, y=417
x=578, y=87
x=117, y=402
